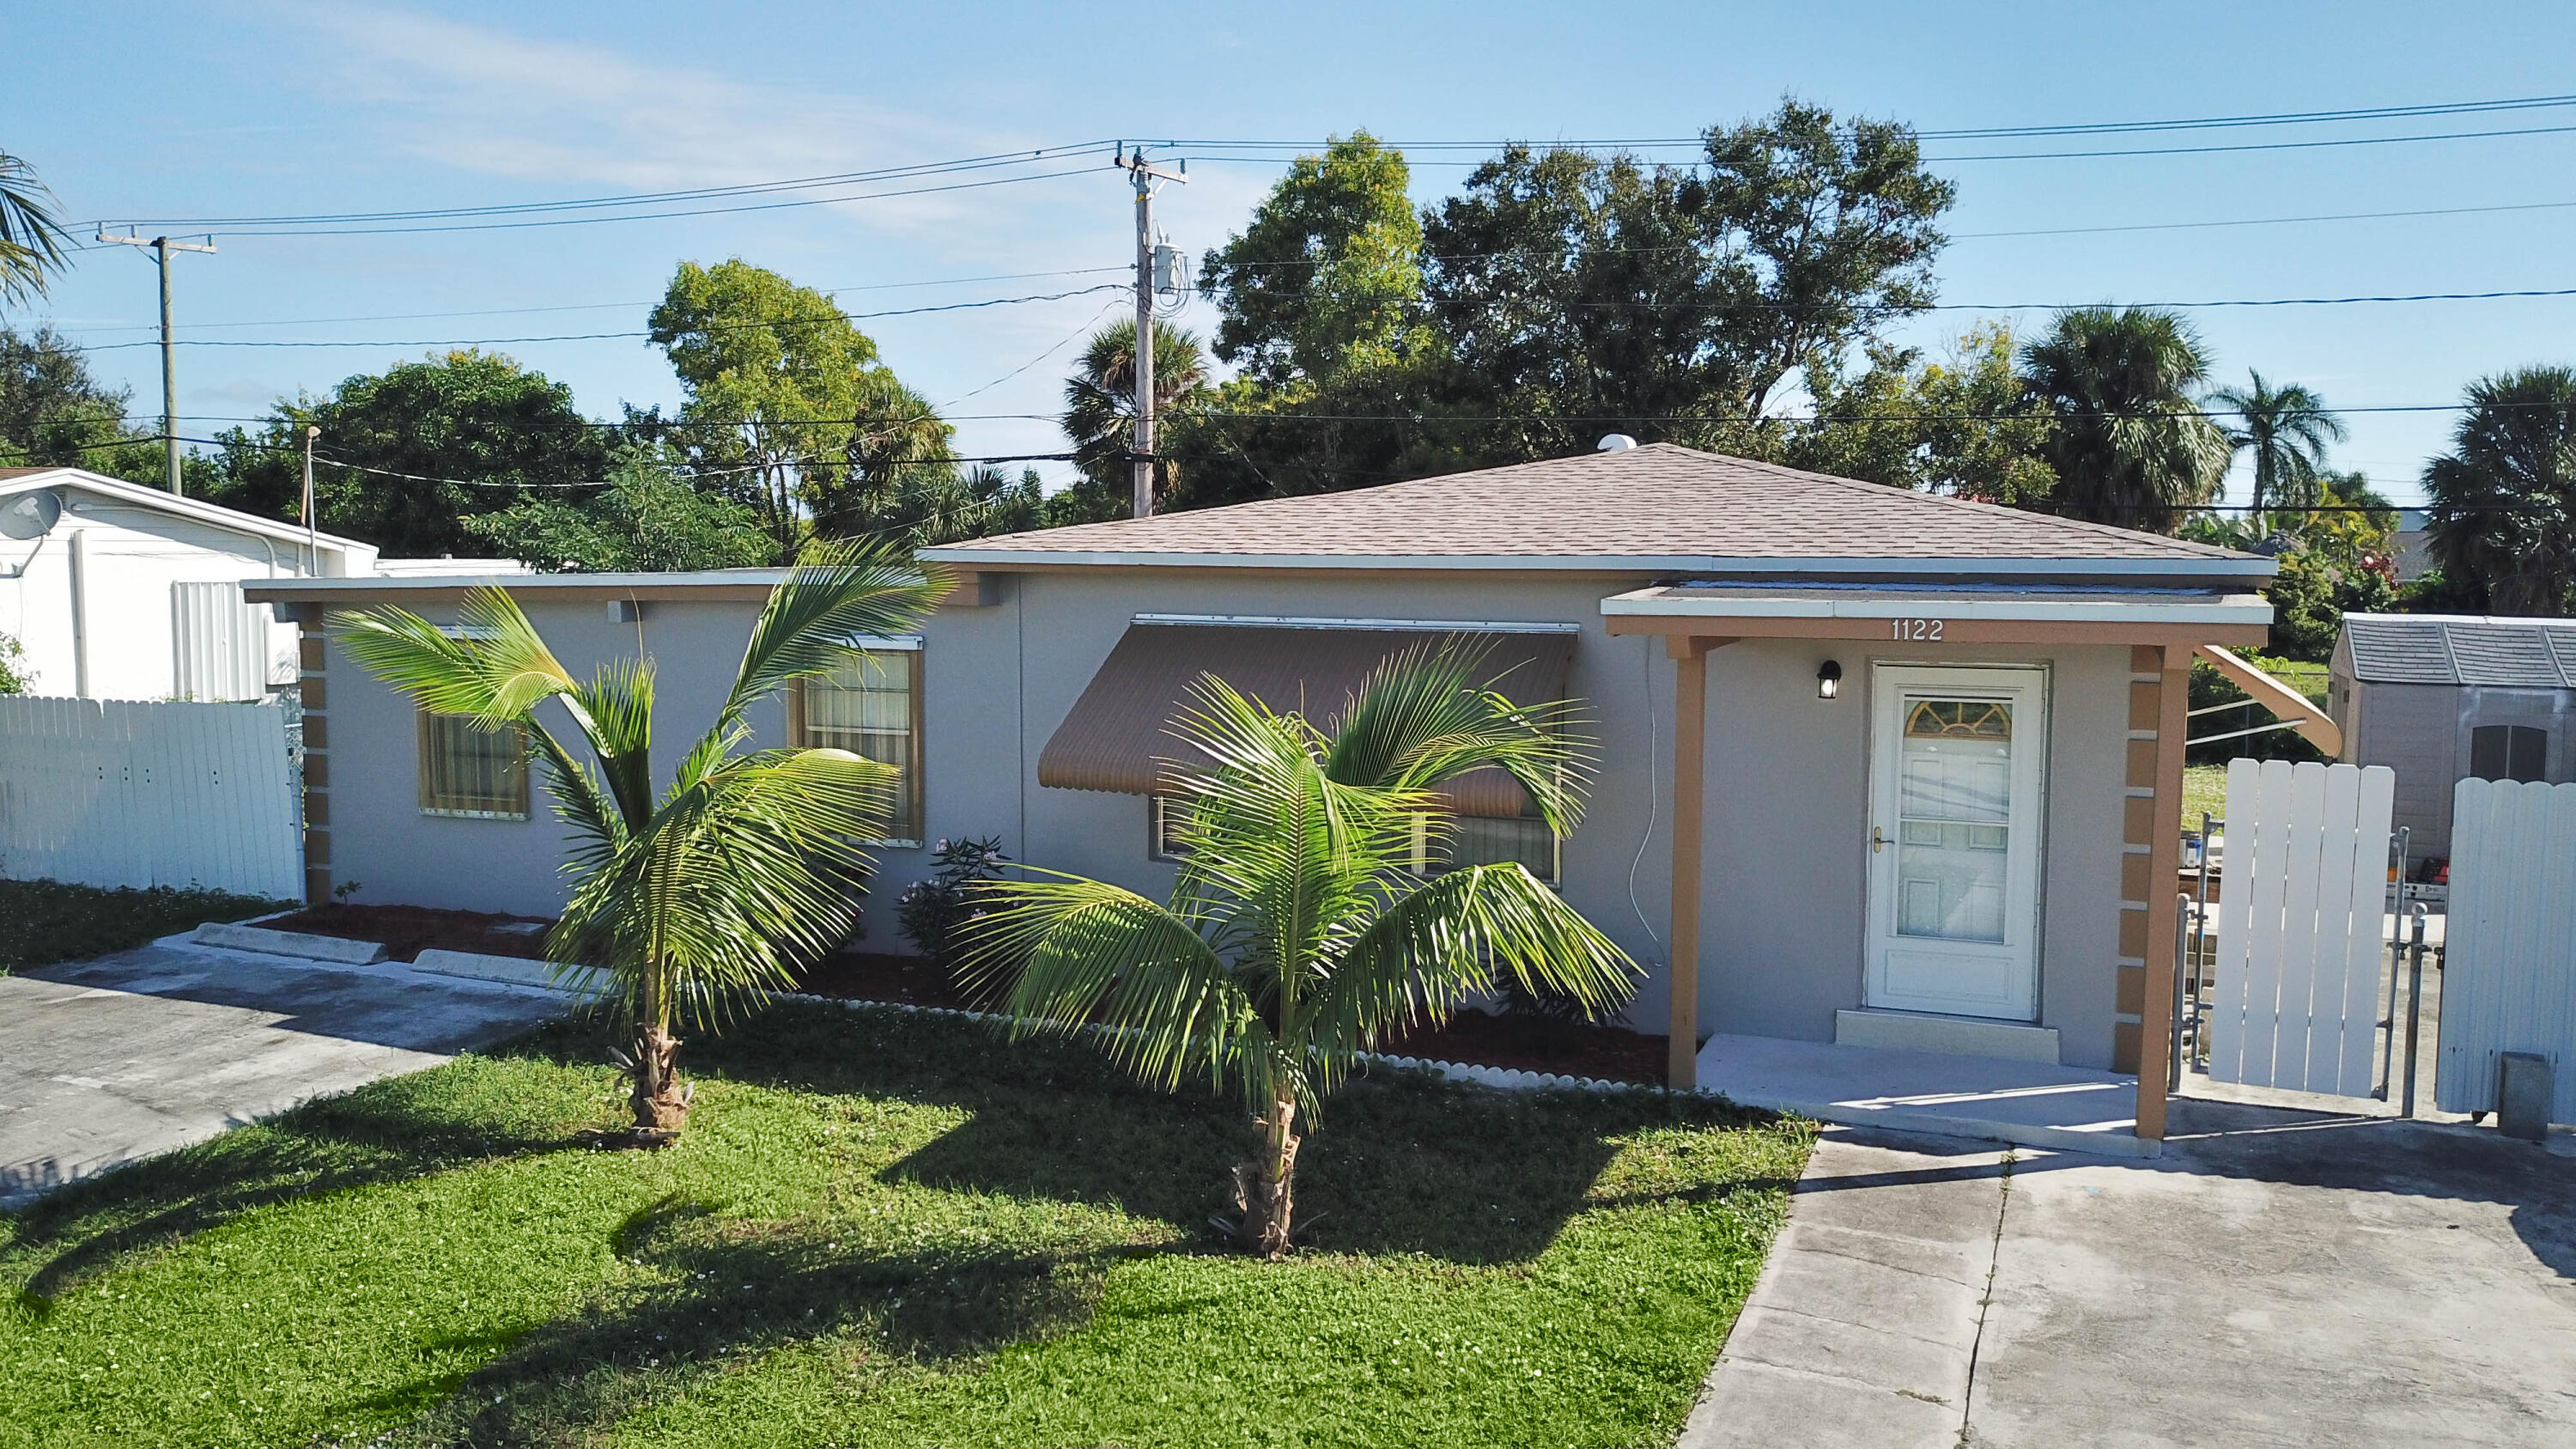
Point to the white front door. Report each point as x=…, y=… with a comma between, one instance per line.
x=1955, y=812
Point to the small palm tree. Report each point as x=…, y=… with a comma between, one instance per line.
x=2130, y=446
x=2287, y=430
x=1298, y=934
x=1100, y=399
x=699, y=901
x=31, y=237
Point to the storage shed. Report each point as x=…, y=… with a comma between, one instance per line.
x=2441, y=697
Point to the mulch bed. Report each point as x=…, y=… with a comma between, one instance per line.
x=406, y=931
x=1537, y=1044
x=1525, y=1043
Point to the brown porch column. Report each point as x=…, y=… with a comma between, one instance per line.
x=2164, y=864
x=1690, y=795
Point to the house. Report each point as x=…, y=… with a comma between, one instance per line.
x=118, y=591
x=1914, y=763
x=2413, y=545
x=2442, y=697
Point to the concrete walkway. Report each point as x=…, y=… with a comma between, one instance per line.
x=105, y=1061
x=2274, y=1279
x=2034, y=1104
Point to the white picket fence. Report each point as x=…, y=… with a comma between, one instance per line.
x=112, y=793
x=2301, y=926
x=2509, y=952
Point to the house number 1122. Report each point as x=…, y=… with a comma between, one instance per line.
x=1917, y=628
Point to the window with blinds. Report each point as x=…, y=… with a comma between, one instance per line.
x=473, y=772
x=871, y=706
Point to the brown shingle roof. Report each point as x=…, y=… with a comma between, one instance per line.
x=1660, y=505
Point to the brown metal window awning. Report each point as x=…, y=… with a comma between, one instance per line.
x=1118, y=736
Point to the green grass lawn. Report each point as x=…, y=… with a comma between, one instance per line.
x=2204, y=787
x=888, y=1230
x=43, y=921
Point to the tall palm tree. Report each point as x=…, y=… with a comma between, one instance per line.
x=2130, y=446
x=31, y=236
x=2286, y=429
x=1100, y=399
x=701, y=899
x=1297, y=934
x=2502, y=525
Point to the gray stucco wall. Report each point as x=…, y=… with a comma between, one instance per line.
x=1787, y=810
x=380, y=838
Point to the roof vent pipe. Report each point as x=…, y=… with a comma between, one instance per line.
x=1614, y=442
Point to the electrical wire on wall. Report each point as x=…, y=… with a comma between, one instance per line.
x=1654, y=797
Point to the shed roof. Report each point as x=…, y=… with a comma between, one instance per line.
x=1661, y=507
x=2522, y=653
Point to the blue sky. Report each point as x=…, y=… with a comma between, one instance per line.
x=260, y=109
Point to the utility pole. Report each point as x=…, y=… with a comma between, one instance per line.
x=312, y=545
x=1145, y=175
x=169, y=351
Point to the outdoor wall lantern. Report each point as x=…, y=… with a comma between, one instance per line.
x=1829, y=679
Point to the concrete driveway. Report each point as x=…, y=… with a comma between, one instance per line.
x=2275, y=1279
x=105, y=1061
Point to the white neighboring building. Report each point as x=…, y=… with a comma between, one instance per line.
x=134, y=593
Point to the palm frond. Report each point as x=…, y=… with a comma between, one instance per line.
x=1443, y=941
x=1081, y=953
x=838, y=593
x=743, y=875
x=1431, y=713
x=616, y=713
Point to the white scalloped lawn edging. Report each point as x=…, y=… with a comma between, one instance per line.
x=1504, y=1079
x=338, y=950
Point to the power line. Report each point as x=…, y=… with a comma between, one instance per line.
x=2082, y=128
x=605, y=336
x=704, y=193
x=1743, y=305
x=649, y=302
x=2266, y=220
x=655, y=215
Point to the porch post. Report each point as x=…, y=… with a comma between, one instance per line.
x=1690, y=795
x=2164, y=865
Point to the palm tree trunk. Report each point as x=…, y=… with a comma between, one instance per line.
x=1270, y=1189
x=661, y=1103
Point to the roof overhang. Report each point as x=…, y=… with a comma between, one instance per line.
x=1926, y=613
x=719, y=586
x=2196, y=567
x=135, y=495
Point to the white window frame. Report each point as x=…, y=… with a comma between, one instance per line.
x=916, y=781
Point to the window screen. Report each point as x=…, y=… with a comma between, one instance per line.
x=2509, y=752
x=467, y=770
x=871, y=706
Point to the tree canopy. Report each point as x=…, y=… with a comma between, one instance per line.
x=647, y=520
x=2502, y=524
x=778, y=381
x=55, y=413
x=2130, y=446
x=413, y=451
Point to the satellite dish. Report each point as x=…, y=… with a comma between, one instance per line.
x=31, y=515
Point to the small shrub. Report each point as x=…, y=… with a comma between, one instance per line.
x=933, y=911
